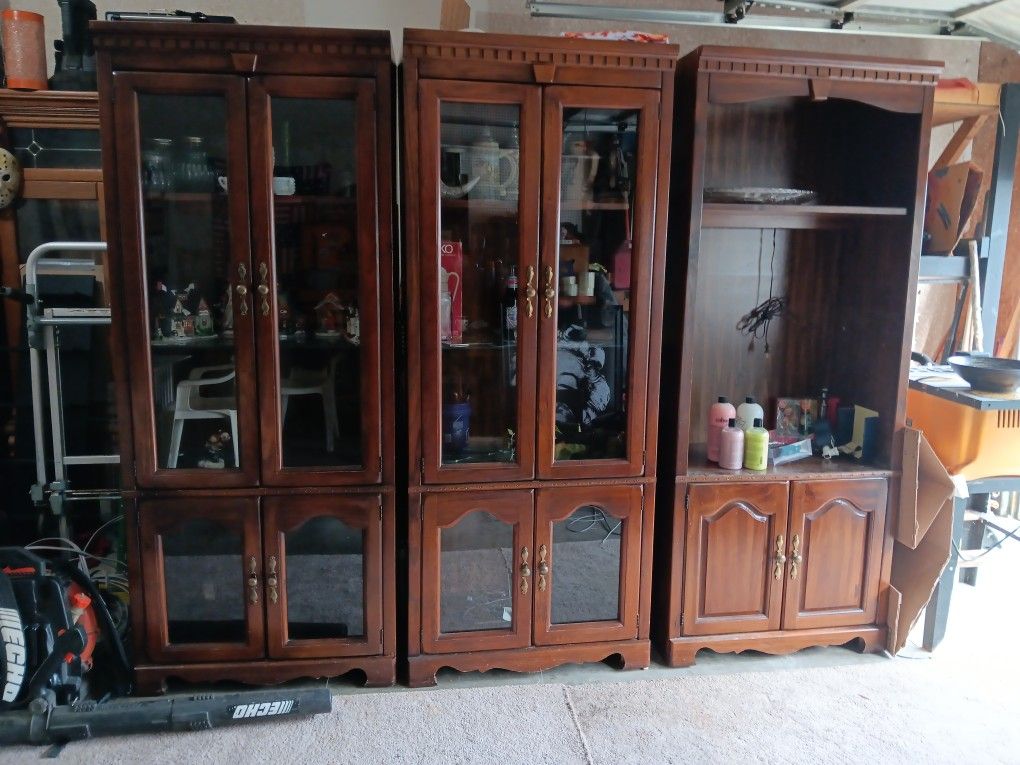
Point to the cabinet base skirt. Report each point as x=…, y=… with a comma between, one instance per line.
x=680, y=652
x=151, y=679
x=628, y=654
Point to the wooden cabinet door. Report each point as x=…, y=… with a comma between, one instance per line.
x=599, y=180
x=202, y=573
x=323, y=575
x=835, y=553
x=314, y=161
x=735, y=560
x=587, y=564
x=476, y=278
x=183, y=232
x=477, y=566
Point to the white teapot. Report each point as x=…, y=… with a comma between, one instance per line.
x=497, y=169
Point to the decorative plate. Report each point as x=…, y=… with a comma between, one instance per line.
x=761, y=196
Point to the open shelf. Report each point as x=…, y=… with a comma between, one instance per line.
x=207, y=197
x=723, y=215
x=700, y=470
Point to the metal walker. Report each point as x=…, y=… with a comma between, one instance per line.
x=43, y=327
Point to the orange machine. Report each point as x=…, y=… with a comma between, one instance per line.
x=974, y=434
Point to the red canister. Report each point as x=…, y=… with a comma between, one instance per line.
x=24, y=49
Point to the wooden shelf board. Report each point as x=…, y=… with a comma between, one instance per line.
x=722, y=215
x=960, y=104
x=700, y=470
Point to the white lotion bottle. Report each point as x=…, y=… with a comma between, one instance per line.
x=748, y=412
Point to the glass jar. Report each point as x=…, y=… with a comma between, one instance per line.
x=157, y=168
x=194, y=172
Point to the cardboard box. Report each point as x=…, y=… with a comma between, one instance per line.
x=952, y=198
x=451, y=260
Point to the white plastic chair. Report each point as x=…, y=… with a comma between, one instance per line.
x=314, y=382
x=191, y=405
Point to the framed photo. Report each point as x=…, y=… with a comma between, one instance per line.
x=796, y=416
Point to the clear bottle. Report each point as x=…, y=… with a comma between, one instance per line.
x=731, y=446
x=748, y=412
x=756, y=447
x=719, y=414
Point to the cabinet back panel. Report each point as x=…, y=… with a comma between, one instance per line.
x=733, y=276
x=868, y=154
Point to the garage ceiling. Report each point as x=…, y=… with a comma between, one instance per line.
x=996, y=20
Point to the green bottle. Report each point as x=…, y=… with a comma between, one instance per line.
x=756, y=447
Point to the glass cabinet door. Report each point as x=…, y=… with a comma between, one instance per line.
x=478, y=571
x=599, y=172
x=313, y=171
x=479, y=280
x=587, y=564
x=183, y=185
x=323, y=575
x=202, y=569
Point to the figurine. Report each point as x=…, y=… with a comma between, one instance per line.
x=213, y=457
x=352, y=328
x=330, y=314
x=203, y=320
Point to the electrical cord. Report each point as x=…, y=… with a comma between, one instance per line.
x=597, y=517
x=756, y=322
x=1007, y=534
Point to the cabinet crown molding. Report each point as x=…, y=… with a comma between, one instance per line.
x=555, y=51
x=238, y=38
x=784, y=63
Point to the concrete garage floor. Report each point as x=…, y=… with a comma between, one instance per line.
x=825, y=705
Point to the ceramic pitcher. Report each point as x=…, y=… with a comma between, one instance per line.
x=496, y=168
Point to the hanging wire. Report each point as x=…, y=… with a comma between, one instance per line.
x=756, y=322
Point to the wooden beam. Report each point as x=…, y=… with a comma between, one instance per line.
x=963, y=136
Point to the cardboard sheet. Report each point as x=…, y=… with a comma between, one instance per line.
x=952, y=198
x=924, y=535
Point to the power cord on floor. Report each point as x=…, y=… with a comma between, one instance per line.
x=1006, y=535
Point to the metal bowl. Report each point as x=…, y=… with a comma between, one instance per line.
x=986, y=373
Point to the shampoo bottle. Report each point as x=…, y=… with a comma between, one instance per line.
x=731, y=446
x=719, y=414
x=756, y=447
x=748, y=412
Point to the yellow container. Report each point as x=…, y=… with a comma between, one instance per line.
x=975, y=443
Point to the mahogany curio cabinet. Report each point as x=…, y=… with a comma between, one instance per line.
x=249, y=207
x=800, y=554
x=535, y=192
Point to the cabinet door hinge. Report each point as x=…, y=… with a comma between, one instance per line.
x=380, y=464
x=421, y=467
x=380, y=508
x=687, y=501
x=381, y=641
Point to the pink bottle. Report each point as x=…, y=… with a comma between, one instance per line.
x=731, y=446
x=719, y=414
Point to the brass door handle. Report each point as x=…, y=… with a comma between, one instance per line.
x=795, y=556
x=525, y=571
x=263, y=288
x=242, y=290
x=550, y=291
x=529, y=293
x=543, y=568
x=242, y=301
x=271, y=581
x=253, y=581
x=777, y=573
